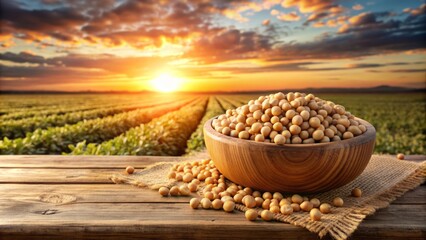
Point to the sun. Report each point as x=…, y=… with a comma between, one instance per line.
x=166, y=82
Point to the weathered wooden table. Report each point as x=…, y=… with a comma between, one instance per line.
x=52, y=197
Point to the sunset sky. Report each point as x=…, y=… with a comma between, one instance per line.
x=200, y=45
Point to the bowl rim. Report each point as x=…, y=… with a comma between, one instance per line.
x=367, y=136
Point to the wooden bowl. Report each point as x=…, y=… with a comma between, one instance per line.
x=298, y=168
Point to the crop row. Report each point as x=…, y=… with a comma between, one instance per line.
x=19, y=128
x=60, y=110
x=166, y=135
x=56, y=140
x=196, y=141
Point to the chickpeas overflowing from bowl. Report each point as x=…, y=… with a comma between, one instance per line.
x=292, y=118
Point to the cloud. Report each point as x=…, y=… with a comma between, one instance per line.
x=306, y=6
x=315, y=17
x=357, y=7
x=289, y=17
x=49, y=22
x=230, y=44
x=266, y=22
x=353, y=44
x=130, y=66
x=370, y=21
x=363, y=18
x=22, y=57
x=416, y=11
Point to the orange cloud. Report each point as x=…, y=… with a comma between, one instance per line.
x=357, y=7
x=417, y=11
x=266, y=22
x=289, y=17
x=306, y=6
x=319, y=24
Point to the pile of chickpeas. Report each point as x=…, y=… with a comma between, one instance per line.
x=292, y=118
x=205, y=179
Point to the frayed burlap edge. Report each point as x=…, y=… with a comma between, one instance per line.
x=155, y=176
x=152, y=177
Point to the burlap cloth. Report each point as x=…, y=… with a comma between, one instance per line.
x=384, y=179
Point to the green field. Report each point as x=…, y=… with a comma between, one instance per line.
x=161, y=124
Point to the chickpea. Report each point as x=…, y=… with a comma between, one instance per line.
x=206, y=203
x=164, y=191
x=171, y=175
x=192, y=186
x=295, y=206
x=267, y=215
x=296, y=198
x=276, y=111
x=267, y=195
x=284, y=201
x=290, y=114
x=297, y=120
x=325, y=208
x=194, y=203
x=306, y=206
x=356, y=192
x=217, y=204
x=187, y=177
x=256, y=194
x=279, y=139
x=249, y=201
x=274, y=209
x=277, y=196
x=315, y=202
x=265, y=131
x=174, y=191
x=243, y=135
x=338, y=202
x=315, y=214
x=228, y=206
x=347, y=135
x=184, y=190
x=318, y=135
x=400, y=156
x=286, y=209
x=259, y=201
x=251, y=214
x=305, y=115
x=130, y=170
x=314, y=122
x=294, y=129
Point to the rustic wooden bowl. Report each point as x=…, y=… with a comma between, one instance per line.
x=298, y=168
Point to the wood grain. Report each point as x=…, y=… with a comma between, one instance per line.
x=47, y=176
x=84, y=162
x=86, y=193
x=291, y=167
x=110, y=211
x=173, y=220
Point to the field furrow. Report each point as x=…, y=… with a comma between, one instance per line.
x=163, y=136
x=196, y=141
x=56, y=140
x=18, y=128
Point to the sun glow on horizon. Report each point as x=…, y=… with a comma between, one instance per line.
x=166, y=82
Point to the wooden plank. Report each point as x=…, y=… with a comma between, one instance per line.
x=178, y=220
x=415, y=196
x=48, y=176
x=149, y=220
x=111, y=162
x=116, y=193
x=82, y=162
x=84, y=193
